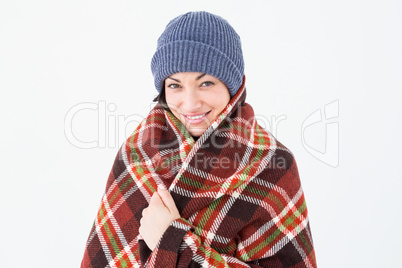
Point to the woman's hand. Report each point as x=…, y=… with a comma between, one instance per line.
x=157, y=217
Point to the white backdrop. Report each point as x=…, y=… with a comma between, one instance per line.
x=323, y=77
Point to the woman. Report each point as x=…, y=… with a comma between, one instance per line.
x=199, y=183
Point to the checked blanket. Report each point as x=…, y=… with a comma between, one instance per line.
x=237, y=189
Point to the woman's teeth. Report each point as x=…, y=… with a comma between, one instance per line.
x=196, y=117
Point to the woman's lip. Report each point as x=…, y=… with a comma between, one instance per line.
x=195, y=114
x=198, y=120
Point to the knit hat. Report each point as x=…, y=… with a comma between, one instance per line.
x=199, y=41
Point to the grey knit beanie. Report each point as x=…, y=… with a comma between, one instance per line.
x=199, y=41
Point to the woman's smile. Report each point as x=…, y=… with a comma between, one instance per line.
x=195, y=118
x=196, y=99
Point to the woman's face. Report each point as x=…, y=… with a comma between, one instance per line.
x=196, y=99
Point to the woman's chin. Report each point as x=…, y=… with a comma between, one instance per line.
x=196, y=132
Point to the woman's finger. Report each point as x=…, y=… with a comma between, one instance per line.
x=156, y=200
x=143, y=212
x=167, y=199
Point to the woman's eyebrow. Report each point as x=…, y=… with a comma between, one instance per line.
x=198, y=78
x=177, y=80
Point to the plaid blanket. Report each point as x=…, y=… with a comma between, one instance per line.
x=237, y=189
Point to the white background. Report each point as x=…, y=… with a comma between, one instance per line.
x=299, y=57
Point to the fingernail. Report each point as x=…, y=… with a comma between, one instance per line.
x=162, y=187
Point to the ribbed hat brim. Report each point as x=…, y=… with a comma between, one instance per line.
x=192, y=56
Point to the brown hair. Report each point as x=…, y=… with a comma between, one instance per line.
x=161, y=99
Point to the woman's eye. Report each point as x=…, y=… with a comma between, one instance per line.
x=173, y=85
x=208, y=83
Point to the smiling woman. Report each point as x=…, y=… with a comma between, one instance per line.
x=196, y=100
x=199, y=183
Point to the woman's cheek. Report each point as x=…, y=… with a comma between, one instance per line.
x=173, y=102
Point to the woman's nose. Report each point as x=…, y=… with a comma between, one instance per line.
x=191, y=100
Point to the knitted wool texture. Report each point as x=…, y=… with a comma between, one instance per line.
x=237, y=190
x=199, y=41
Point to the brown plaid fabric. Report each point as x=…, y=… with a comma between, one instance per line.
x=237, y=189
